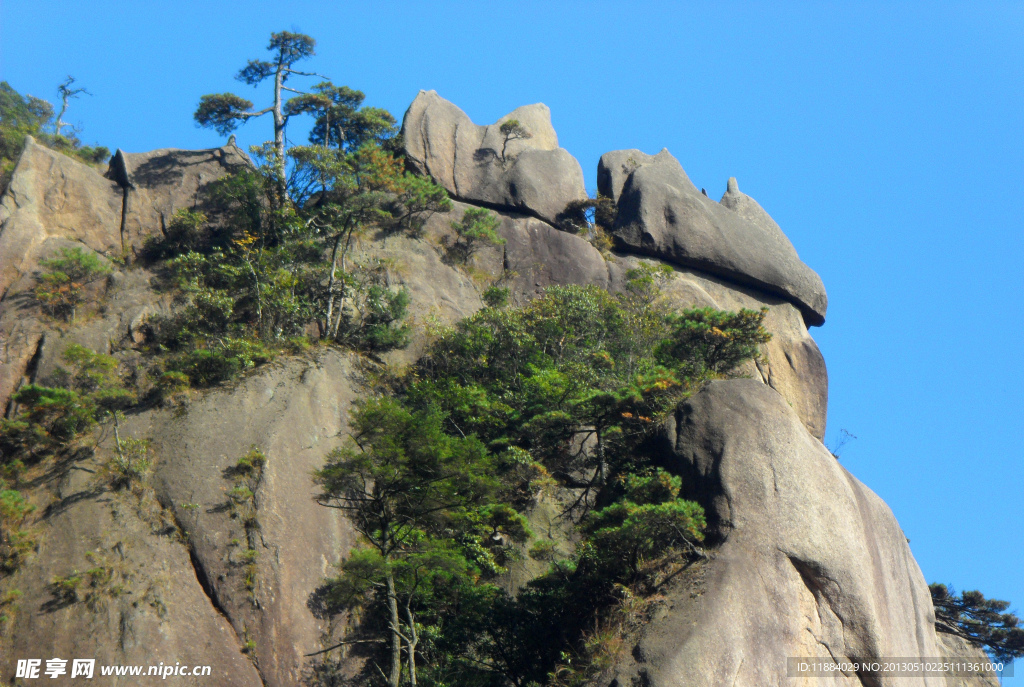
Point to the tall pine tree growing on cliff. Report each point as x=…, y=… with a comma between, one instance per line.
x=224, y=112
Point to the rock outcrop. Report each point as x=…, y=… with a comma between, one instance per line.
x=53, y=196
x=477, y=165
x=55, y=201
x=160, y=182
x=662, y=214
x=807, y=562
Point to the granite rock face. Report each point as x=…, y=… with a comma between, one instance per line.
x=56, y=202
x=161, y=182
x=662, y=214
x=477, y=165
x=952, y=647
x=807, y=562
x=54, y=196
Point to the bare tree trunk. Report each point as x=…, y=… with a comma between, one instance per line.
x=59, y=124
x=259, y=298
x=117, y=439
x=330, y=283
x=279, y=123
x=395, y=675
x=411, y=641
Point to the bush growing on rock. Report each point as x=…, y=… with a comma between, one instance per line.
x=478, y=227
x=15, y=542
x=47, y=419
x=259, y=273
x=559, y=393
x=62, y=288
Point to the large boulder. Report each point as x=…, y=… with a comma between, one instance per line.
x=662, y=214
x=159, y=183
x=476, y=164
x=809, y=562
x=53, y=195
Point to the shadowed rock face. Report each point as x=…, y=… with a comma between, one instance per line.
x=662, y=214
x=160, y=182
x=809, y=562
x=531, y=175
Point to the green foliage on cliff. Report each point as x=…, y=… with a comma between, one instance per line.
x=48, y=418
x=22, y=116
x=561, y=393
x=257, y=271
x=982, y=621
x=44, y=421
x=63, y=286
x=478, y=227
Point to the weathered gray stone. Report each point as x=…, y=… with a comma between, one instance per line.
x=809, y=563
x=662, y=214
x=614, y=168
x=534, y=176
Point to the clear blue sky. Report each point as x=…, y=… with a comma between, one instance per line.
x=887, y=139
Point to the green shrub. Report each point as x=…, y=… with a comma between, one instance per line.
x=65, y=587
x=15, y=543
x=171, y=383
x=251, y=464
x=183, y=234
x=61, y=289
x=58, y=415
x=495, y=296
x=9, y=606
x=205, y=367
x=128, y=466
x=208, y=366
x=478, y=227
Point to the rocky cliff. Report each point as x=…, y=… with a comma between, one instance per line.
x=805, y=560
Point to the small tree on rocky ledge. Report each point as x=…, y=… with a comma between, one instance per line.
x=477, y=227
x=511, y=130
